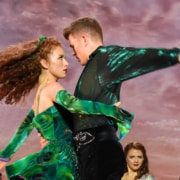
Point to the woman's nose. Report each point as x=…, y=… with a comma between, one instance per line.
x=136, y=159
x=66, y=62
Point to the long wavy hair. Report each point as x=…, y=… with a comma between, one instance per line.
x=144, y=169
x=20, y=67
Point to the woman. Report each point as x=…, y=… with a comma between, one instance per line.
x=40, y=64
x=137, y=162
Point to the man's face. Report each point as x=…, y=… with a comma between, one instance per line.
x=79, y=46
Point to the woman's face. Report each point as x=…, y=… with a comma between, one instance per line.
x=57, y=64
x=134, y=159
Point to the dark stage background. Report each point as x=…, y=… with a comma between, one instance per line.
x=154, y=98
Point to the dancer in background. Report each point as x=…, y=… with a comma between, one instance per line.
x=106, y=68
x=39, y=64
x=137, y=162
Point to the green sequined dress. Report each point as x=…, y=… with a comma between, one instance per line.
x=57, y=160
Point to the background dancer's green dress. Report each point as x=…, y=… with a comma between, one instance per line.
x=57, y=160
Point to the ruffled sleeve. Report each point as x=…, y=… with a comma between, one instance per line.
x=20, y=136
x=122, y=117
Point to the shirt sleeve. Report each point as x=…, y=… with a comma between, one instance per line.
x=122, y=117
x=17, y=140
x=126, y=63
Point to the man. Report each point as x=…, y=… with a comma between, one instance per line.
x=106, y=67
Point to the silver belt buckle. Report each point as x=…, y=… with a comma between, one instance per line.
x=83, y=138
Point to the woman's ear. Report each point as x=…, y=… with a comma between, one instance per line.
x=44, y=64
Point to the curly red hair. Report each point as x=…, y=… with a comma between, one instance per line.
x=20, y=68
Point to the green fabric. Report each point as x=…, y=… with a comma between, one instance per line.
x=57, y=160
x=122, y=117
x=108, y=67
x=22, y=133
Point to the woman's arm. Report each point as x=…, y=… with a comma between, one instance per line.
x=60, y=96
x=122, y=117
x=20, y=136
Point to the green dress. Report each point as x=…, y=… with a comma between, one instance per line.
x=57, y=160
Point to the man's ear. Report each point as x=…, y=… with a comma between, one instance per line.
x=44, y=64
x=84, y=39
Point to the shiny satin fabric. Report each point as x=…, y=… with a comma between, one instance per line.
x=57, y=160
x=108, y=67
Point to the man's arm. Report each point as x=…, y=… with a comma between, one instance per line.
x=127, y=63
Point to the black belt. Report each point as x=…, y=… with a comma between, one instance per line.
x=97, y=134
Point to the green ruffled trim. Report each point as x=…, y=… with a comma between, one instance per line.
x=19, y=137
x=122, y=117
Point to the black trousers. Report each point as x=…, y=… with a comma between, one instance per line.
x=103, y=158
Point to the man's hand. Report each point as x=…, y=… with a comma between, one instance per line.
x=2, y=164
x=117, y=104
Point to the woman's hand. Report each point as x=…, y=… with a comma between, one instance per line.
x=43, y=142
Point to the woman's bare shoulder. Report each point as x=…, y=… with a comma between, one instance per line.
x=52, y=89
